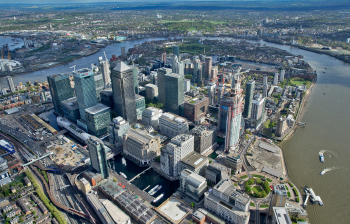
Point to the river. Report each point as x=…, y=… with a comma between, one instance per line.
x=327, y=121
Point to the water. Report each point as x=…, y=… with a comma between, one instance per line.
x=8, y=40
x=149, y=178
x=85, y=62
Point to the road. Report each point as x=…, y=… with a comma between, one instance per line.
x=242, y=155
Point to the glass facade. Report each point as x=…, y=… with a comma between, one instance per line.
x=97, y=153
x=60, y=89
x=98, y=121
x=140, y=105
x=248, y=98
x=174, y=94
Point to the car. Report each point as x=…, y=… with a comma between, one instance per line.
x=271, y=188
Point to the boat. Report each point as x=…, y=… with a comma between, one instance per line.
x=323, y=172
x=321, y=157
x=155, y=190
x=158, y=198
x=124, y=161
x=123, y=175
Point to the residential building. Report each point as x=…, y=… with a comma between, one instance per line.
x=116, y=129
x=21, y=203
x=216, y=172
x=4, y=201
x=192, y=185
x=97, y=153
x=249, y=93
x=235, y=162
x=44, y=219
x=151, y=91
x=211, y=92
x=99, y=209
x=194, y=162
x=187, y=85
x=204, y=138
x=99, y=85
x=9, y=207
x=84, y=186
x=172, y=125
x=10, y=83
x=275, y=79
x=282, y=126
x=84, y=84
x=13, y=213
x=174, y=94
x=60, y=90
x=140, y=105
x=71, y=109
x=283, y=72
x=4, y=172
x=226, y=202
x=279, y=197
x=171, y=155
x=124, y=92
x=176, y=51
x=150, y=116
x=106, y=96
x=196, y=108
x=280, y=216
x=265, y=86
x=161, y=83
x=141, y=146
x=97, y=119
x=258, y=111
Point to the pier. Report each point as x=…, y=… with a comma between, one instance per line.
x=138, y=175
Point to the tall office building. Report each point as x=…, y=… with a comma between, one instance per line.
x=265, y=86
x=99, y=84
x=211, y=92
x=196, y=66
x=164, y=57
x=98, y=158
x=97, y=119
x=177, y=66
x=171, y=155
x=151, y=91
x=174, y=94
x=172, y=125
x=124, y=92
x=60, y=89
x=208, y=66
x=140, y=105
x=85, y=90
x=275, y=79
x=204, y=139
x=279, y=197
x=249, y=92
x=116, y=129
x=135, y=73
x=10, y=83
x=71, y=109
x=283, y=72
x=258, y=111
x=234, y=116
x=161, y=83
x=176, y=51
x=106, y=73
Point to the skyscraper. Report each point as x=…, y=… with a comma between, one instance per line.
x=164, y=57
x=258, y=111
x=60, y=89
x=98, y=158
x=124, y=92
x=10, y=83
x=208, y=65
x=99, y=84
x=249, y=92
x=97, y=119
x=174, y=94
x=282, y=75
x=177, y=66
x=265, y=86
x=176, y=51
x=196, y=66
x=135, y=73
x=234, y=115
x=85, y=90
x=161, y=83
x=275, y=79
x=106, y=73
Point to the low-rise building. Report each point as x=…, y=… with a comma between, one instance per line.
x=172, y=125
x=226, y=202
x=92, y=176
x=99, y=209
x=150, y=116
x=280, y=216
x=204, y=138
x=141, y=146
x=23, y=206
x=192, y=185
x=216, y=172
x=9, y=207
x=4, y=202
x=118, y=216
x=194, y=162
x=43, y=219
x=13, y=213
x=84, y=185
x=203, y=216
x=15, y=220
x=27, y=181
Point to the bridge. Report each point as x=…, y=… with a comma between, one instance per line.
x=41, y=157
x=138, y=175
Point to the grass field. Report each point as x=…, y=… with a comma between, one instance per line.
x=189, y=21
x=256, y=189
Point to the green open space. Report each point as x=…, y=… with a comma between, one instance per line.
x=298, y=82
x=258, y=176
x=244, y=176
x=256, y=189
x=193, y=47
x=5, y=190
x=264, y=206
x=252, y=204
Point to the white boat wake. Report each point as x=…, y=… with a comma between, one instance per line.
x=329, y=152
x=328, y=169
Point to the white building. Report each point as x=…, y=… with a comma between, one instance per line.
x=106, y=73
x=171, y=155
x=258, y=111
x=172, y=125
x=283, y=72
x=151, y=91
x=187, y=85
x=141, y=146
x=275, y=79
x=211, y=92
x=150, y=116
x=227, y=203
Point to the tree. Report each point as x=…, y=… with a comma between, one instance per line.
x=246, y=137
x=263, y=194
x=248, y=188
x=266, y=124
x=192, y=204
x=115, y=179
x=250, y=181
x=34, y=212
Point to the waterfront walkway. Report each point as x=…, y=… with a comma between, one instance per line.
x=132, y=187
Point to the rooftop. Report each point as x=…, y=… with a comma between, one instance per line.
x=112, y=188
x=281, y=215
x=268, y=147
x=121, y=67
x=174, y=210
x=96, y=109
x=193, y=179
x=117, y=215
x=194, y=159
